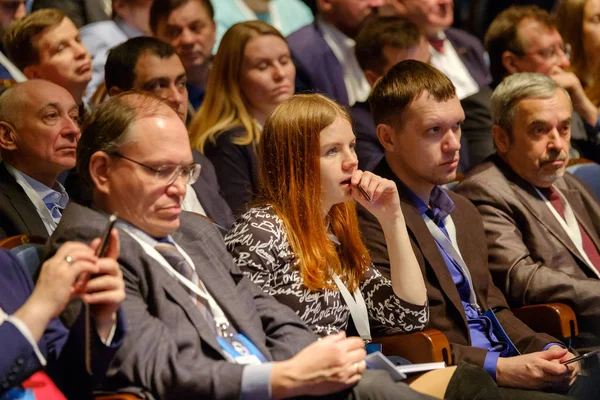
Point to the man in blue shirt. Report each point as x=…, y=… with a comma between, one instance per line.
x=39, y=130
x=418, y=117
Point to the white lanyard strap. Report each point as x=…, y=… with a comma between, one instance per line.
x=451, y=248
x=251, y=15
x=35, y=198
x=358, y=308
x=218, y=315
x=569, y=224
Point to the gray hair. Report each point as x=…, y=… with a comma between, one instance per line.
x=517, y=87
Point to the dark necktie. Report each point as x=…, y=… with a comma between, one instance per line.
x=588, y=245
x=437, y=44
x=180, y=264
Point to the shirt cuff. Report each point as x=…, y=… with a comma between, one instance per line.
x=27, y=335
x=111, y=335
x=546, y=347
x=491, y=362
x=256, y=381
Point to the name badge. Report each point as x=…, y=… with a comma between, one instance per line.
x=373, y=347
x=238, y=349
x=511, y=349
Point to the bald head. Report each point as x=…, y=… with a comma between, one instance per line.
x=39, y=129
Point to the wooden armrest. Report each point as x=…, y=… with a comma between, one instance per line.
x=429, y=345
x=555, y=319
x=18, y=240
x=124, y=396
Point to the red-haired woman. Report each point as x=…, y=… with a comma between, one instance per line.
x=300, y=242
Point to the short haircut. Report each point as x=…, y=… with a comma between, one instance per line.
x=517, y=87
x=404, y=83
x=18, y=42
x=107, y=127
x=379, y=32
x=119, y=69
x=161, y=9
x=503, y=35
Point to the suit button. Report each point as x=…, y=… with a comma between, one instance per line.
x=6, y=385
x=11, y=377
x=16, y=369
x=20, y=361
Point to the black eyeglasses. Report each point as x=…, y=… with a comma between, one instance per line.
x=168, y=174
x=550, y=53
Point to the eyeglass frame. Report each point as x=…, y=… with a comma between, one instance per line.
x=565, y=48
x=178, y=171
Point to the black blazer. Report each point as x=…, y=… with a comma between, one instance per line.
x=18, y=215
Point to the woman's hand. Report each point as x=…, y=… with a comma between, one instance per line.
x=384, y=200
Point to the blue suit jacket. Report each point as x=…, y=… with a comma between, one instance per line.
x=317, y=69
x=63, y=350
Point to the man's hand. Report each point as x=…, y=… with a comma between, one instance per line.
x=541, y=370
x=327, y=366
x=105, y=290
x=581, y=103
x=57, y=285
x=574, y=368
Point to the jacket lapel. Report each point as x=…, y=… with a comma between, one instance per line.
x=21, y=203
x=425, y=241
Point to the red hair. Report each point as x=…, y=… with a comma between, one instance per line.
x=289, y=181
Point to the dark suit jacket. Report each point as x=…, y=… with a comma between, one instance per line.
x=531, y=257
x=209, y=193
x=317, y=68
x=18, y=215
x=169, y=349
x=81, y=12
x=63, y=350
x=446, y=311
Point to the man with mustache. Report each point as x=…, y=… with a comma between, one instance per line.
x=46, y=45
x=542, y=225
x=39, y=131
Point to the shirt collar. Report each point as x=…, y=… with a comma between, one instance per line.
x=342, y=41
x=143, y=236
x=57, y=195
x=441, y=204
x=127, y=29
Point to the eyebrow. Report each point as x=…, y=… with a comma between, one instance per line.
x=326, y=144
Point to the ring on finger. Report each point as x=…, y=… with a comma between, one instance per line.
x=356, y=367
x=68, y=259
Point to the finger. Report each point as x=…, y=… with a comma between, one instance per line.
x=108, y=266
x=95, y=244
x=384, y=186
x=356, y=356
x=553, y=353
x=68, y=248
x=554, y=368
x=357, y=176
x=333, y=338
x=103, y=282
x=105, y=297
x=351, y=344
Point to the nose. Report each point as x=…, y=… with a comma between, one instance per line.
x=179, y=186
x=350, y=161
x=70, y=129
x=175, y=97
x=278, y=71
x=21, y=11
x=376, y=3
x=452, y=142
x=555, y=140
x=186, y=37
x=563, y=60
x=79, y=50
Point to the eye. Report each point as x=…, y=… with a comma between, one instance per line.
x=331, y=151
x=434, y=131
x=262, y=66
x=284, y=60
x=456, y=127
x=173, y=32
x=60, y=48
x=76, y=118
x=352, y=145
x=181, y=84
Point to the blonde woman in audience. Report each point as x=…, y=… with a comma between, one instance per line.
x=252, y=73
x=578, y=21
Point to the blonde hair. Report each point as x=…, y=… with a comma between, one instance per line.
x=289, y=181
x=224, y=107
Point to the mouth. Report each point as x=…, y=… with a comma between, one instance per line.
x=84, y=68
x=451, y=163
x=346, y=182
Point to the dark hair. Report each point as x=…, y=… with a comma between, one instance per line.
x=18, y=41
x=107, y=127
x=119, y=69
x=404, y=83
x=161, y=9
x=379, y=32
x=503, y=35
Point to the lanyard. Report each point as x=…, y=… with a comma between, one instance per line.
x=358, y=308
x=220, y=319
x=35, y=198
x=250, y=15
x=450, y=248
x=356, y=304
x=569, y=225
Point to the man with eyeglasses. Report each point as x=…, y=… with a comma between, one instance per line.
x=38, y=139
x=525, y=39
x=197, y=328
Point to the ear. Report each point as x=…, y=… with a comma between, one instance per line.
x=510, y=62
x=501, y=139
x=385, y=134
x=114, y=91
x=372, y=77
x=32, y=72
x=99, y=168
x=394, y=7
x=324, y=5
x=8, y=137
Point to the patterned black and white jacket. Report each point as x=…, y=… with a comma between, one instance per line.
x=259, y=245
